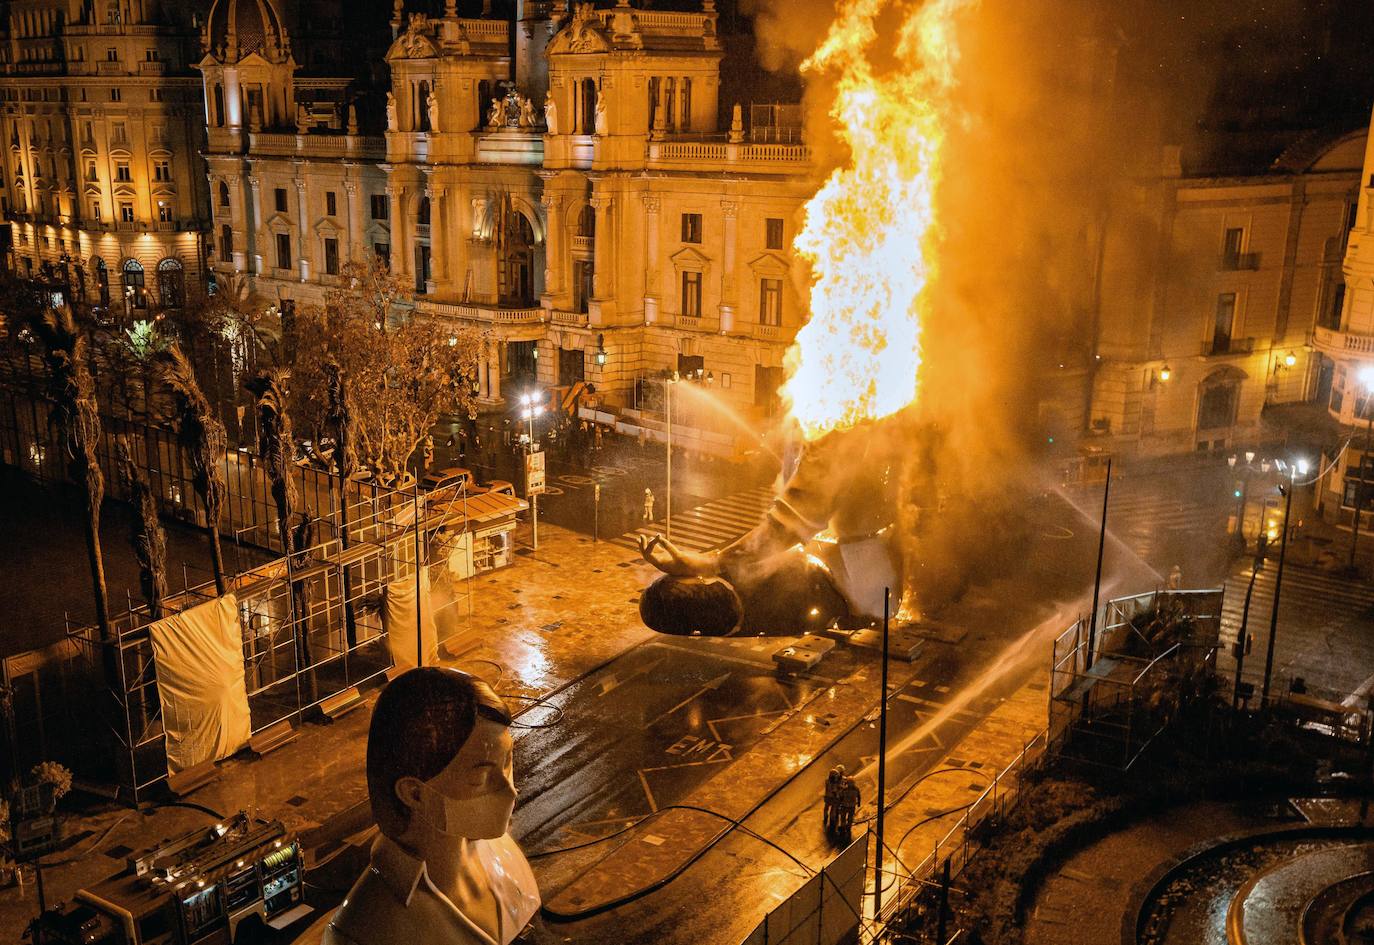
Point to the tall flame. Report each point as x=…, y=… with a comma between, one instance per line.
x=870, y=230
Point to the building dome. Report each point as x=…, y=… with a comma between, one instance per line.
x=238, y=28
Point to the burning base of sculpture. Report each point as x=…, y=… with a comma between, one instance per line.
x=827, y=548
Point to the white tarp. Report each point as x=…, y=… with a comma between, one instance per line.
x=199, y=659
x=398, y=619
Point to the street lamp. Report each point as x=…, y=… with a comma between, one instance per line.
x=1366, y=379
x=531, y=407
x=1294, y=468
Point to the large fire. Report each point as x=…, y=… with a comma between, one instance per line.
x=871, y=229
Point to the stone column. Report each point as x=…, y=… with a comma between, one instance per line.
x=652, y=204
x=305, y=231
x=728, y=296
x=438, y=237
x=400, y=231
x=601, y=277
x=255, y=225
x=239, y=221
x=355, y=221
x=554, y=253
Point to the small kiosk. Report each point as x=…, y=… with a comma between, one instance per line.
x=195, y=889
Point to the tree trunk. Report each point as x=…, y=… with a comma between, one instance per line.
x=350, y=619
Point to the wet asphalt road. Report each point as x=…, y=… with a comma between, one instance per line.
x=579, y=775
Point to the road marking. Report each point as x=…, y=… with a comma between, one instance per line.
x=713, y=684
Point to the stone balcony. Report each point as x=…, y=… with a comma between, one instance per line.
x=1342, y=343
x=494, y=314
x=289, y=144
x=707, y=154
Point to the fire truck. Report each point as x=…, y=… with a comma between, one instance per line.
x=198, y=888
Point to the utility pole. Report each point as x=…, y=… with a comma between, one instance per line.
x=1097, y=581
x=1242, y=638
x=882, y=762
x=668, y=415
x=1278, y=585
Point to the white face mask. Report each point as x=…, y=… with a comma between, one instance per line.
x=484, y=817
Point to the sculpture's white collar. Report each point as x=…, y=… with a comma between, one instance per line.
x=507, y=871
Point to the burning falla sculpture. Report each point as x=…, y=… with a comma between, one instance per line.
x=827, y=547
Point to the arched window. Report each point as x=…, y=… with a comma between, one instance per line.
x=422, y=107
x=135, y=294
x=586, y=221
x=226, y=243
x=223, y=194
x=171, y=283
x=219, y=106
x=588, y=107
x=102, y=280
x=515, y=266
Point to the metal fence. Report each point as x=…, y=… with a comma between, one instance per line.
x=310, y=626
x=826, y=910
x=1113, y=693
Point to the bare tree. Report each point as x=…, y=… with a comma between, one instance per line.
x=342, y=425
x=77, y=420
x=203, y=440
x=401, y=371
x=147, y=537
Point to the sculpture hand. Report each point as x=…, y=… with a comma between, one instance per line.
x=668, y=558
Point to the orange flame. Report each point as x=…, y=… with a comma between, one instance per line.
x=871, y=228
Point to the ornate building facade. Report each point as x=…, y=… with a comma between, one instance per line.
x=1211, y=286
x=104, y=186
x=562, y=179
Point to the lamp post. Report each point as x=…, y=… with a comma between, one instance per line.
x=1366, y=377
x=531, y=409
x=1300, y=466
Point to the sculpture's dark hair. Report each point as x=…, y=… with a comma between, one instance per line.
x=421, y=721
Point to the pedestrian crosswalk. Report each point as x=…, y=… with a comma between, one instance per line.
x=710, y=525
x=1152, y=523
x=1325, y=624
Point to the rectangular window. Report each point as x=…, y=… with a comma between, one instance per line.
x=331, y=203
x=691, y=228
x=111, y=54
x=115, y=95
x=772, y=233
x=95, y=211
x=280, y=197
x=770, y=302
x=383, y=251
x=155, y=95
x=119, y=133
x=152, y=56
x=379, y=207
x=283, y=251
x=162, y=170
x=122, y=171
x=331, y=256
x=164, y=213
x=691, y=295
x=1224, y=319
x=1235, y=237
x=126, y=212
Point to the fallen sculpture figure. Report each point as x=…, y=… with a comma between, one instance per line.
x=824, y=549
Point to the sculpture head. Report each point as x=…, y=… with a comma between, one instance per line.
x=439, y=758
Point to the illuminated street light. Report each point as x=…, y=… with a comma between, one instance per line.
x=531, y=407
x=1290, y=359
x=1165, y=373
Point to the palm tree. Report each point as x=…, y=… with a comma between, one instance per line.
x=147, y=537
x=202, y=438
x=77, y=420
x=341, y=423
x=276, y=447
